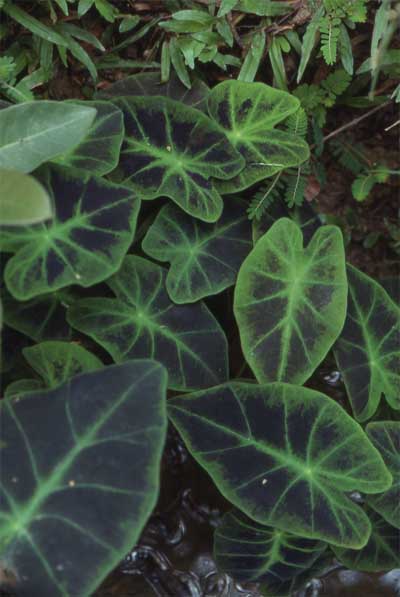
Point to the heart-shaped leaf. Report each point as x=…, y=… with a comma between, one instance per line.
x=368, y=349
x=143, y=322
x=204, y=258
x=385, y=435
x=94, y=225
x=303, y=215
x=23, y=200
x=382, y=552
x=98, y=153
x=290, y=302
x=80, y=476
x=248, y=551
x=249, y=112
x=173, y=150
x=45, y=129
x=284, y=455
x=149, y=84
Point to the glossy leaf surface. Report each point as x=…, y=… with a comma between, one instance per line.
x=204, y=258
x=249, y=113
x=368, y=349
x=385, y=435
x=284, y=455
x=46, y=129
x=173, y=150
x=98, y=153
x=94, y=225
x=142, y=322
x=290, y=302
x=23, y=200
x=80, y=476
x=382, y=551
x=248, y=551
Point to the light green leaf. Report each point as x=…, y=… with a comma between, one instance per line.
x=290, y=302
x=23, y=200
x=204, y=258
x=253, y=58
x=225, y=7
x=173, y=150
x=284, y=455
x=277, y=63
x=385, y=436
x=21, y=387
x=93, y=227
x=71, y=457
x=249, y=112
x=142, y=322
x=35, y=132
x=33, y=25
x=345, y=49
x=308, y=43
x=178, y=63
x=368, y=351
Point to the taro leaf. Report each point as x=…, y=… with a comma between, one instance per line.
x=23, y=200
x=368, y=349
x=45, y=129
x=249, y=551
x=248, y=112
x=93, y=227
x=290, y=302
x=22, y=386
x=303, y=215
x=382, y=552
x=149, y=84
x=41, y=318
x=143, y=322
x=173, y=150
x=80, y=476
x=284, y=455
x=99, y=151
x=204, y=258
x=385, y=435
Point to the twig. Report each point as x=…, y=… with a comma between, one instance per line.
x=355, y=121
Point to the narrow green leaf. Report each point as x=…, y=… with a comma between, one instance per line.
x=84, y=6
x=253, y=58
x=178, y=63
x=81, y=34
x=204, y=258
x=285, y=455
x=35, y=132
x=142, y=322
x=33, y=25
x=165, y=62
x=23, y=200
x=225, y=7
x=128, y=23
x=71, y=457
x=368, y=351
x=290, y=302
x=278, y=66
x=308, y=43
x=80, y=54
x=346, y=51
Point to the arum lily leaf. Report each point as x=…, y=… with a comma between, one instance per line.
x=382, y=551
x=94, y=225
x=248, y=551
x=303, y=215
x=385, y=435
x=70, y=457
x=143, y=322
x=204, y=258
x=249, y=112
x=149, y=84
x=171, y=150
x=368, y=350
x=290, y=302
x=284, y=455
x=23, y=200
x=99, y=151
x=45, y=128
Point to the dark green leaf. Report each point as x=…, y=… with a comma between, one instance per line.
x=23, y=200
x=285, y=455
x=178, y=63
x=253, y=58
x=21, y=387
x=80, y=476
x=165, y=62
x=266, y=8
x=385, y=435
x=249, y=552
x=382, y=552
x=204, y=258
x=33, y=25
x=345, y=50
x=308, y=42
x=277, y=63
x=93, y=227
x=225, y=7
x=98, y=153
x=143, y=322
x=173, y=150
x=290, y=302
x=368, y=350
x=249, y=112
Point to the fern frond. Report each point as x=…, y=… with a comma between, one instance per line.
x=349, y=155
x=329, y=29
x=297, y=123
x=264, y=197
x=337, y=82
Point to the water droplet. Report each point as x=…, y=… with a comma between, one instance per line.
x=71, y=483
